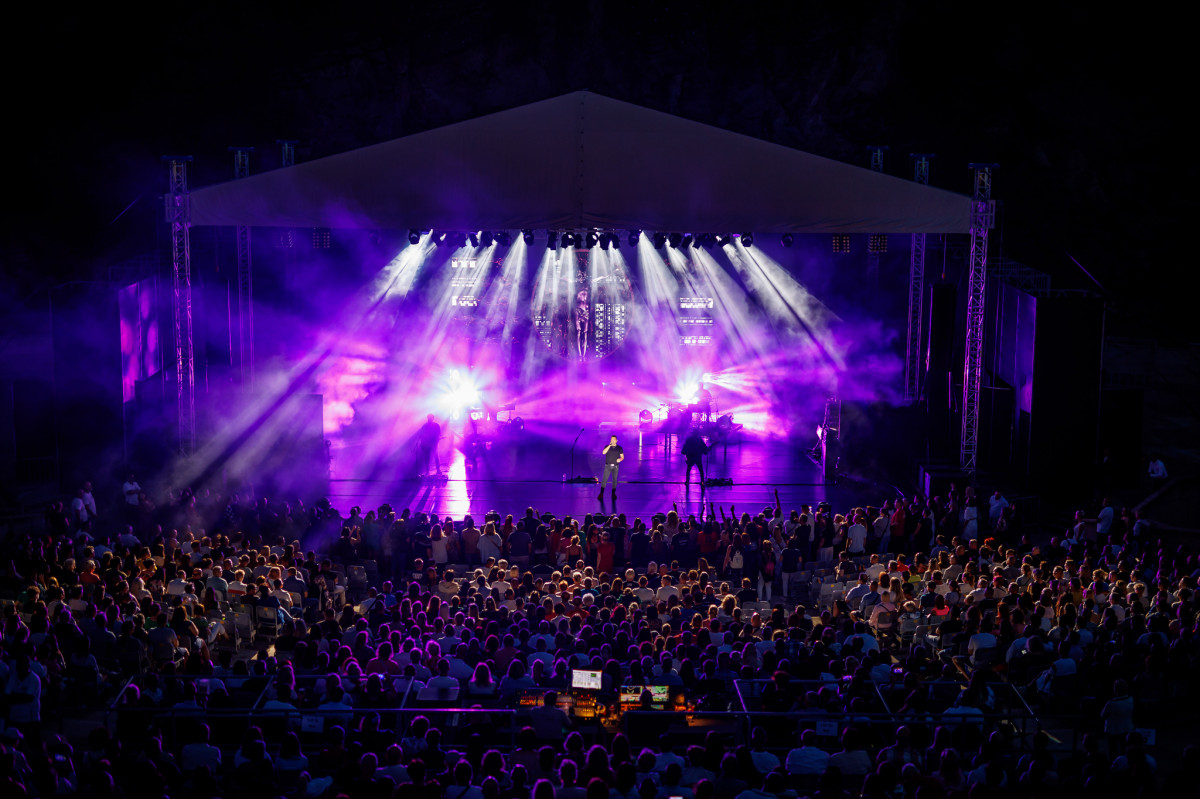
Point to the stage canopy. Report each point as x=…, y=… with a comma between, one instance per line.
x=582, y=161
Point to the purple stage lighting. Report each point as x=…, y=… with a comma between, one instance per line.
x=459, y=392
x=527, y=235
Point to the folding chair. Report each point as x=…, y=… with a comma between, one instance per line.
x=243, y=630
x=266, y=623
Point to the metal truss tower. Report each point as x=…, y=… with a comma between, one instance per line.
x=179, y=218
x=245, y=278
x=983, y=217
x=916, y=293
x=874, y=247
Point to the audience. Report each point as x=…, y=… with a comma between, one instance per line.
x=894, y=642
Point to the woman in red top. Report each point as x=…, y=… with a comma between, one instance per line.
x=604, y=553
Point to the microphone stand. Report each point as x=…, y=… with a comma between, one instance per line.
x=576, y=478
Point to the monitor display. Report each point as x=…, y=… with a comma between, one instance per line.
x=660, y=695
x=585, y=680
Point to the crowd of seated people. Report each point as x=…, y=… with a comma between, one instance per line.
x=943, y=612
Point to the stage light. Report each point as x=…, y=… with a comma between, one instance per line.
x=614, y=241
x=414, y=237
x=486, y=239
x=605, y=240
x=660, y=239
x=592, y=238
x=722, y=239
x=551, y=239
x=568, y=240
x=747, y=239
x=504, y=238
x=841, y=242
x=787, y=240
x=528, y=236
x=645, y=417
x=474, y=240
x=675, y=238
x=634, y=235
x=516, y=424
x=687, y=241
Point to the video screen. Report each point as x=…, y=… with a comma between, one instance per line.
x=660, y=695
x=585, y=680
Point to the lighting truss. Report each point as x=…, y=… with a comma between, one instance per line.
x=179, y=218
x=983, y=216
x=916, y=294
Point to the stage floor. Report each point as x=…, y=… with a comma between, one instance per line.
x=530, y=471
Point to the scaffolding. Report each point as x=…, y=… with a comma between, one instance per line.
x=916, y=293
x=983, y=217
x=179, y=218
x=245, y=278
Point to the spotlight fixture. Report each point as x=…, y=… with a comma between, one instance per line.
x=660, y=239
x=645, y=417
x=877, y=243
x=614, y=240
x=504, y=238
x=605, y=240
x=568, y=239
x=592, y=238
x=747, y=239
x=787, y=240
x=474, y=240
x=841, y=243
x=551, y=239
x=487, y=238
x=634, y=235
x=722, y=239
x=675, y=239
x=527, y=235
x=414, y=237
x=687, y=241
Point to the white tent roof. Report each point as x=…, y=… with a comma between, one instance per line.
x=582, y=161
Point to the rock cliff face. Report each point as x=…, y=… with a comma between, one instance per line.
x=1079, y=110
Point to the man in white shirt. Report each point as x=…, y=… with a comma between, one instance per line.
x=24, y=689
x=982, y=640
x=808, y=759
x=1157, y=471
x=666, y=590
x=1104, y=519
x=996, y=505
x=177, y=586
x=89, y=501
x=79, y=511
x=131, y=490
x=856, y=538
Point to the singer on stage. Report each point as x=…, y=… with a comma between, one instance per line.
x=613, y=455
x=694, y=450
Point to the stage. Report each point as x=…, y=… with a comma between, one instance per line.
x=529, y=469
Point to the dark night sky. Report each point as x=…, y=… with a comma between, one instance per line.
x=1083, y=109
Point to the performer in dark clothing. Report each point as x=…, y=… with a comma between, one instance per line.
x=427, y=442
x=613, y=455
x=694, y=450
